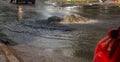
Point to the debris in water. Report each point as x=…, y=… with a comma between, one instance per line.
x=54, y=19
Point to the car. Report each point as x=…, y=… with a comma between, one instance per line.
x=22, y=1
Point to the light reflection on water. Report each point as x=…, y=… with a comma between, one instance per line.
x=20, y=13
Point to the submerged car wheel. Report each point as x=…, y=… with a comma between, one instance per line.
x=26, y=2
x=33, y=2
x=11, y=1
x=17, y=1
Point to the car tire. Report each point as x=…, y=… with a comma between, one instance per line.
x=33, y=2
x=17, y=1
x=26, y=2
x=11, y=1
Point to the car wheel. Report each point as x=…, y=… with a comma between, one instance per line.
x=26, y=2
x=11, y=1
x=33, y=2
x=17, y=1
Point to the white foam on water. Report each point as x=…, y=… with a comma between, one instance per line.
x=81, y=22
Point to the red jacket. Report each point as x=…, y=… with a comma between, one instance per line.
x=108, y=49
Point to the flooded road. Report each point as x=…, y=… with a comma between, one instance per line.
x=29, y=25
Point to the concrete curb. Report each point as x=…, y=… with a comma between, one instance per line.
x=8, y=53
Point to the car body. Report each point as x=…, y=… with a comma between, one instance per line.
x=91, y=6
x=22, y=1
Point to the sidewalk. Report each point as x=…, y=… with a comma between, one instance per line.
x=33, y=54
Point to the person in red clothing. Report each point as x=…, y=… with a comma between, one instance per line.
x=115, y=0
x=108, y=49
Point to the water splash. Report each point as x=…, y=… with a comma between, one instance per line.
x=76, y=19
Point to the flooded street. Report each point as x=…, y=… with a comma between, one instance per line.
x=71, y=41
